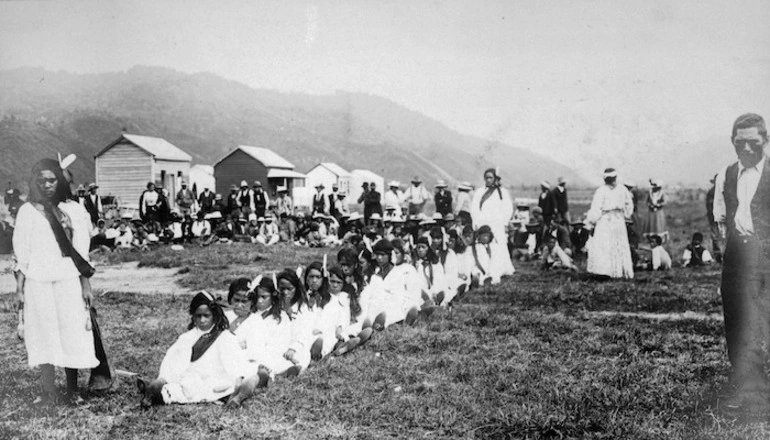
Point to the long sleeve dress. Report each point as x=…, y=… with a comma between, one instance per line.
x=211, y=377
x=495, y=212
x=55, y=315
x=266, y=340
x=656, y=215
x=608, y=250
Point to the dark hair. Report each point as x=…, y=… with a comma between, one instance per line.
x=697, y=236
x=460, y=245
x=323, y=291
x=656, y=239
x=202, y=299
x=300, y=296
x=749, y=120
x=239, y=285
x=275, y=297
x=63, y=191
x=431, y=256
x=436, y=232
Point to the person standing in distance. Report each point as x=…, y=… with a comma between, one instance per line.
x=742, y=212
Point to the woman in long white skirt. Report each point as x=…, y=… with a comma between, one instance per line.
x=50, y=288
x=609, y=253
x=493, y=207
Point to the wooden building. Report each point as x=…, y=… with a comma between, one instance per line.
x=126, y=165
x=328, y=174
x=256, y=163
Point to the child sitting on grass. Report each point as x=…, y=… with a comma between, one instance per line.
x=554, y=257
x=695, y=254
x=660, y=260
x=205, y=364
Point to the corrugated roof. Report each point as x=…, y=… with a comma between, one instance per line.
x=268, y=157
x=157, y=147
x=334, y=168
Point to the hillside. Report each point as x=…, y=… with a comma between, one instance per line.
x=42, y=112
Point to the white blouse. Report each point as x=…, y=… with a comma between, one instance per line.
x=37, y=253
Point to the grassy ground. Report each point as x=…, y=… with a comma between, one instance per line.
x=528, y=359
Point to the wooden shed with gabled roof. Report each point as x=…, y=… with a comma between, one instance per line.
x=256, y=163
x=126, y=165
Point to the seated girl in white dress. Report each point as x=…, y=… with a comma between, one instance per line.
x=334, y=315
x=267, y=333
x=457, y=267
x=205, y=364
x=433, y=282
x=483, y=270
x=295, y=303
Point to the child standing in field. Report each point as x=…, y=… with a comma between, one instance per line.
x=206, y=363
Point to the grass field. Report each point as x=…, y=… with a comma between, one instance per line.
x=536, y=357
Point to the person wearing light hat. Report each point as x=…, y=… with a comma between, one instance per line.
x=416, y=196
x=260, y=199
x=547, y=202
x=609, y=252
x=463, y=205
x=342, y=205
x=561, y=202
x=185, y=199
x=392, y=198
x=268, y=231
x=442, y=198
x=284, y=204
x=206, y=200
x=656, y=215
x=319, y=200
x=334, y=198
x=93, y=203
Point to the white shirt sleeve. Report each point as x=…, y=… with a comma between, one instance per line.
x=720, y=210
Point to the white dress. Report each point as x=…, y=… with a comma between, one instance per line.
x=211, y=377
x=336, y=313
x=267, y=339
x=608, y=250
x=496, y=211
x=55, y=315
x=394, y=295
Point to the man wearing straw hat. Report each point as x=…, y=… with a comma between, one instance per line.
x=416, y=196
x=442, y=198
x=463, y=207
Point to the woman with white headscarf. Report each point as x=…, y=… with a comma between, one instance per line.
x=493, y=207
x=609, y=253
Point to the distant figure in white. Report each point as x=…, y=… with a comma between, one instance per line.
x=493, y=207
x=609, y=253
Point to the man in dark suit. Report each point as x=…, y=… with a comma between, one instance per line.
x=561, y=202
x=372, y=202
x=546, y=202
x=93, y=204
x=742, y=211
x=332, y=203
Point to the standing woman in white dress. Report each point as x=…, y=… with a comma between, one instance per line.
x=49, y=287
x=609, y=253
x=493, y=207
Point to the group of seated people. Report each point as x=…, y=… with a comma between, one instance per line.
x=277, y=324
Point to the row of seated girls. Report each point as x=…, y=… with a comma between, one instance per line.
x=274, y=326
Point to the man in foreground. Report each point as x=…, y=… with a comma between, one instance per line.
x=742, y=211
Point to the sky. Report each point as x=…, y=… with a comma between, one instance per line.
x=589, y=83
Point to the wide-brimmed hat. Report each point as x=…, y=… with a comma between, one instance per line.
x=244, y=183
x=281, y=189
x=464, y=186
x=427, y=221
x=253, y=217
x=92, y=185
x=81, y=188
x=354, y=216
x=394, y=184
x=656, y=183
x=233, y=187
x=261, y=219
x=437, y=217
x=545, y=184
x=257, y=183
x=218, y=197
x=375, y=216
x=416, y=179
x=440, y=184
x=449, y=217
x=560, y=181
